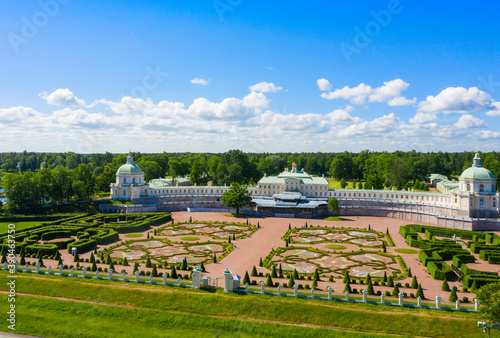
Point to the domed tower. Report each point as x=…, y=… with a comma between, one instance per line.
x=129, y=181
x=477, y=194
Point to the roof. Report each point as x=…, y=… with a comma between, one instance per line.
x=130, y=167
x=477, y=172
x=304, y=178
x=307, y=204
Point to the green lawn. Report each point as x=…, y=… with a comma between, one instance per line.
x=334, y=218
x=335, y=247
x=134, y=235
x=19, y=225
x=334, y=184
x=190, y=238
x=406, y=251
x=117, y=309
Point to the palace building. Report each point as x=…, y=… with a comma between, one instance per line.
x=471, y=203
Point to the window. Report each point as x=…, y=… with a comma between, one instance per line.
x=124, y=180
x=481, y=202
x=133, y=180
x=468, y=186
x=494, y=203
x=124, y=193
x=481, y=188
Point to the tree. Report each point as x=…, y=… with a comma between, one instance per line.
x=254, y=272
x=246, y=279
x=347, y=287
x=445, y=286
x=125, y=261
x=260, y=262
x=316, y=275
x=390, y=282
x=76, y=258
x=489, y=296
x=237, y=196
x=154, y=271
x=173, y=273
x=333, y=206
x=92, y=258
x=274, y=273
x=184, y=265
x=420, y=293
x=395, y=291
x=295, y=274
x=291, y=282
x=414, y=283
x=343, y=184
x=453, y=295
x=269, y=281
x=369, y=288
x=94, y=266
x=202, y=267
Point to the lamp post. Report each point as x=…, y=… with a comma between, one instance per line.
x=486, y=328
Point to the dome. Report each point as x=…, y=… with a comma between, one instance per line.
x=477, y=172
x=130, y=167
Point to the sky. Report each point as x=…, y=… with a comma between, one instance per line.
x=260, y=76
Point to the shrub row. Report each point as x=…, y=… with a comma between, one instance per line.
x=83, y=245
x=440, y=270
x=56, y=234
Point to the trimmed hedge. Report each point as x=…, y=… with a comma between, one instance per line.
x=83, y=245
x=458, y=260
x=45, y=249
x=440, y=270
x=62, y=244
x=56, y=234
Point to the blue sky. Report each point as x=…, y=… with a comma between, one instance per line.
x=157, y=76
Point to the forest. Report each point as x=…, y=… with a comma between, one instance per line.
x=33, y=179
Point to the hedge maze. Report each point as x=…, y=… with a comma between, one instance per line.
x=458, y=248
x=84, y=232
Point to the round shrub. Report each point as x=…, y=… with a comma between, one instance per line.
x=465, y=289
x=412, y=295
x=100, y=269
x=375, y=283
x=379, y=293
x=354, y=290
x=465, y=299
x=86, y=260
x=301, y=286
x=186, y=276
x=254, y=282
x=309, y=278
x=141, y=273
x=284, y=285
x=148, y=273
x=398, y=284
x=261, y=274
x=307, y=286
x=407, y=285
x=383, y=283
x=361, y=282
x=330, y=279
x=387, y=293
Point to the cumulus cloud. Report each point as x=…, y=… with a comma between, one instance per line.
x=423, y=117
x=343, y=116
x=63, y=97
x=495, y=109
x=468, y=121
x=199, y=81
x=18, y=115
x=265, y=87
x=390, y=92
x=324, y=84
x=457, y=100
x=382, y=125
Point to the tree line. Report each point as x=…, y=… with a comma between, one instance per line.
x=66, y=176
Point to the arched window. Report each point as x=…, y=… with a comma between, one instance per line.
x=481, y=188
x=481, y=202
x=468, y=186
x=133, y=180
x=124, y=193
x=124, y=180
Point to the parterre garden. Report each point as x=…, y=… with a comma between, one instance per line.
x=446, y=253
x=311, y=250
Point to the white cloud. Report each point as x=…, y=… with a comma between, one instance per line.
x=495, y=111
x=457, y=100
x=390, y=92
x=343, y=116
x=324, y=84
x=423, y=117
x=265, y=87
x=128, y=105
x=381, y=126
x=401, y=101
x=202, y=82
x=63, y=97
x=18, y=114
x=468, y=121
x=269, y=68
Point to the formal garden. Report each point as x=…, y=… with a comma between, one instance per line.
x=214, y=230
x=446, y=253
x=165, y=252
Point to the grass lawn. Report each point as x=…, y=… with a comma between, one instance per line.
x=336, y=184
x=55, y=306
x=190, y=238
x=134, y=235
x=406, y=251
x=335, y=247
x=19, y=225
x=334, y=218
